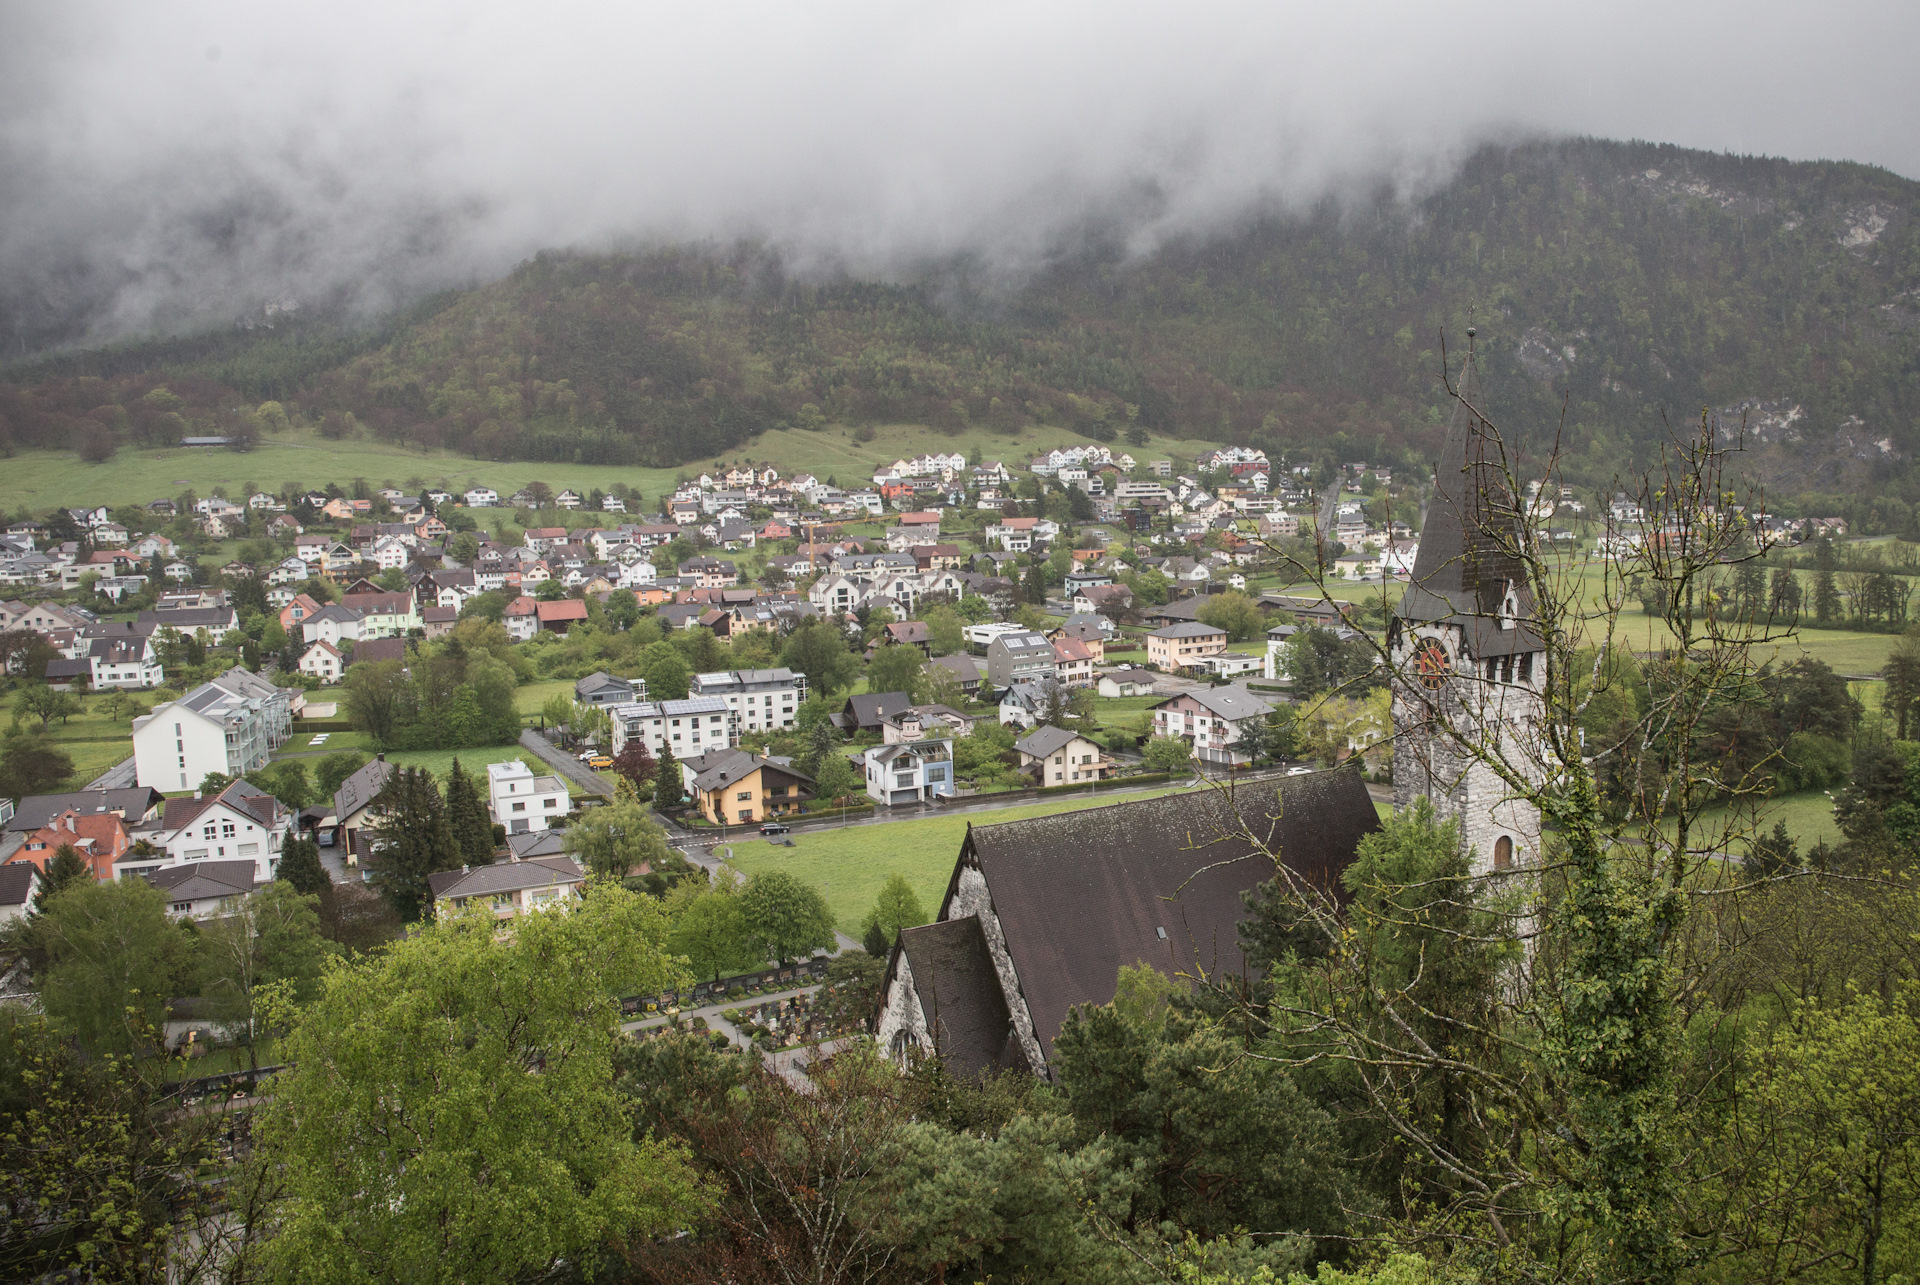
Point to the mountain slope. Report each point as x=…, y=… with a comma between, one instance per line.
x=1634, y=281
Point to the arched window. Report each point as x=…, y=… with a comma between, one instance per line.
x=1503, y=853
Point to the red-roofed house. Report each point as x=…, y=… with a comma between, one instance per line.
x=99, y=837
x=557, y=617
x=1073, y=662
x=521, y=618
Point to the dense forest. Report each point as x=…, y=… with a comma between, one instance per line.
x=1636, y=284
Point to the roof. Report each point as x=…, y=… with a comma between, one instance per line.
x=563, y=609
x=873, y=709
x=505, y=876
x=1188, y=629
x=1232, y=703
x=1071, y=649
x=358, y=790
x=1078, y=894
x=202, y=879
x=16, y=883
x=601, y=680
x=35, y=810
x=960, y=996
x=379, y=649
x=1463, y=573
x=718, y=768
x=1042, y=741
x=963, y=666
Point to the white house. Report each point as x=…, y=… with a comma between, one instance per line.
x=910, y=772
x=324, y=661
x=482, y=497
x=677, y=729
x=229, y=725
x=241, y=823
x=124, y=662
x=758, y=699
x=521, y=801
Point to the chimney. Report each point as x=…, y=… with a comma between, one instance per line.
x=381, y=757
x=196, y=794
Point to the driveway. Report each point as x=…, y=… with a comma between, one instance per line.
x=567, y=767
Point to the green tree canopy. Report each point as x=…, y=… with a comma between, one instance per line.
x=786, y=918
x=115, y=961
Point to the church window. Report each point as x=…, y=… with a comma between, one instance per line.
x=1526, y=668
x=1503, y=853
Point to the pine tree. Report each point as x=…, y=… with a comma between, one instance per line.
x=467, y=818
x=1826, y=598
x=300, y=866
x=412, y=841
x=666, y=787
x=67, y=869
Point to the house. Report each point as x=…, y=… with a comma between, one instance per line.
x=1127, y=682
x=542, y=538
x=1039, y=915
x=908, y=633
x=521, y=801
x=758, y=699
x=127, y=663
x=1073, y=662
x=353, y=812
x=241, y=823
x=675, y=729
x=909, y=772
x=508, y=889
x=917, y=722
x=133, y=805
x=332, y=623
x=383, y=614
x=229, y=726
x=370, y=651
x=101, y=838
x=482, y=497
x=557, y=617
x=962, y=668
x=1021, y=656
x=1024, y=704
x=1180, y=646
x=438, y=621
x=218, y=620
x=1056, y=756
x=602, y=688
x=521, y=619
x=204, y=889
x=1213, y=719
x=1104, y=600
x=734, y=787
x=324, y=661
x=869, y=711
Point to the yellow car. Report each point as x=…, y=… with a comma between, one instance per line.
x=599, y=761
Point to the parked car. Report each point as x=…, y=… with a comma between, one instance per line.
x=773, y=827
x=599, y=761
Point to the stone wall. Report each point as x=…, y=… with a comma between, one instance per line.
x=971, y=897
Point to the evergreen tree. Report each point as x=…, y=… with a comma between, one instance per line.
x=67, y=869
x=666, y=787
x=467, y=818
x=1783, y=595
x=300, y=866
x=411, y=841
x=1826, y=598
x=875, y=940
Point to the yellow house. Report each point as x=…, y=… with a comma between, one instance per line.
x=1178, y=646
x=733, y=787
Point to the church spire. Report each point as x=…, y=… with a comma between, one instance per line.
x=1465, y=567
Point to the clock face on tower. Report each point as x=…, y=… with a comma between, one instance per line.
x=1430, y=664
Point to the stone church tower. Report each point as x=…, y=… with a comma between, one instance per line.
x=1468, y=662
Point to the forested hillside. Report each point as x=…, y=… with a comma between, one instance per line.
x=1636, y=281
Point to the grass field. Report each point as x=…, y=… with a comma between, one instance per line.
x=1809, y=819
x=850, y=865
x=91, y=739
x=42, y=480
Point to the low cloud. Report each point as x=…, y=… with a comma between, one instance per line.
x=162, y=166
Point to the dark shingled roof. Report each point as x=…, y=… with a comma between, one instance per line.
x=867, y=711
x=1079, y=894
x=1462, y=573
x=959, y=992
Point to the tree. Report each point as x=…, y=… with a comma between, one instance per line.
x=1319, y=660
x=115, y=961
x=31, y=765
x=264, y=954
x=1236, y=613
x=874, y=940
x=895, y=908
x=287, y=782
x=945, y=634
x=668, y=791
x=1169, y=754
x=411, y=840
x=1902, y=675
x=711, y=931
x=465, y=1078
x=330, y=772
x=895, y=668
x=300, y=866
x=46, y=704
x=463, y=548
x=667, y=673
x=375, y=693
x=635, y=763
x=609, y=841
x=785, y=918
x=467, y=817
x=834, y=779
x=819, y=650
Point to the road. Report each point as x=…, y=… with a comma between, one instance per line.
x=118, y=777
x=569, y=767
x=1330, y=510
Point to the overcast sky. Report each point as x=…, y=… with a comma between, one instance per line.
x=161, y=162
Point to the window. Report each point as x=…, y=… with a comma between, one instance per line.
x=553, y=803
x=521, y=806
x=226, y=829
x=1503, y=853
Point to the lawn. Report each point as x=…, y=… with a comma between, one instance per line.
x=1809, y=818
x=1122, y=711
x=91, y=739
x=440, y=762
x=850, y=865
x=43, y=480
x=530, y=697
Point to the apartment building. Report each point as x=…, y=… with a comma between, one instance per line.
x=228, y=725
x=679, y=729
x=759, y=699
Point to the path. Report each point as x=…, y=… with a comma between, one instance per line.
x=568, y=767
x=118, y=777
x=712, y=1012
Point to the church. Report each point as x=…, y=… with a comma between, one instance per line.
x=1041, y=914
